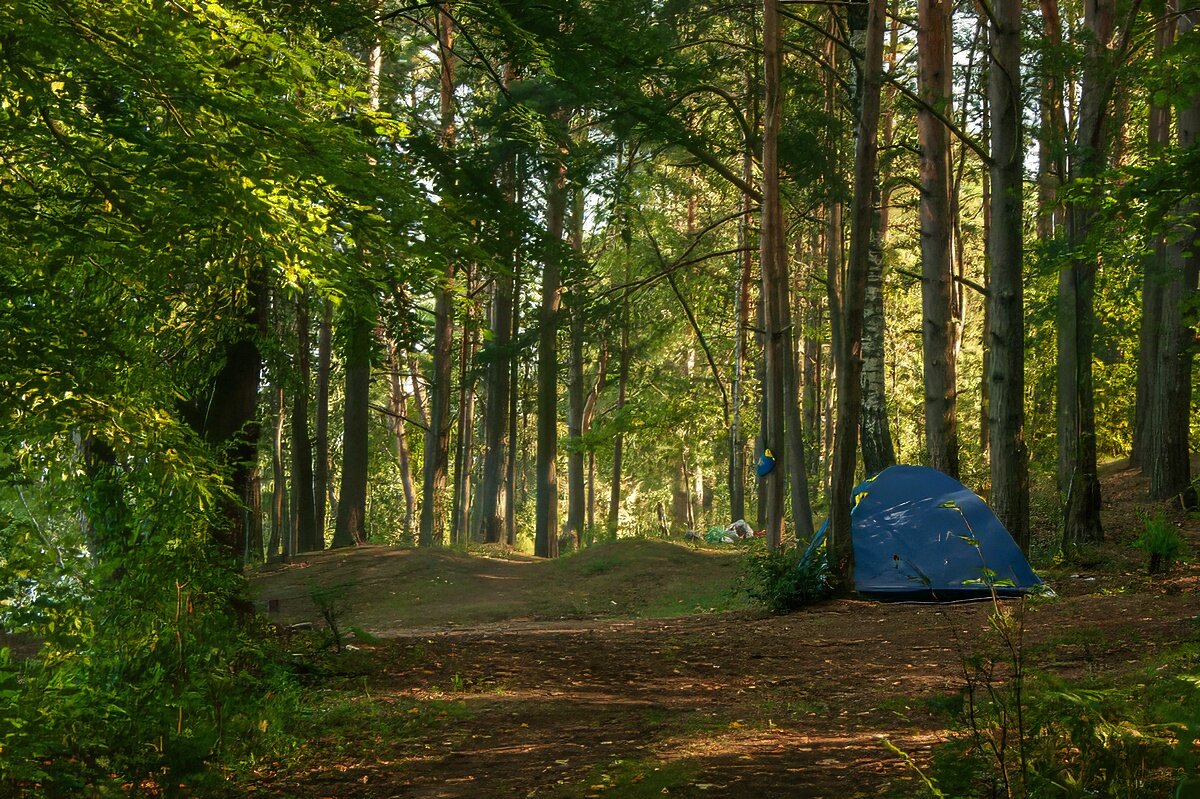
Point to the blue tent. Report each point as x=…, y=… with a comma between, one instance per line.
x=920, y=534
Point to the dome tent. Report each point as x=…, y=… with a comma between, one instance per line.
x=920, y=534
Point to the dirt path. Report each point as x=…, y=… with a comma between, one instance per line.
x=724, y=705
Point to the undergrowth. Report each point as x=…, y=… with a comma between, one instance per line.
x=1027, y=735
x=782, y=580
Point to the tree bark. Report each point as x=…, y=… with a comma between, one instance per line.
x=437, y=438
x=399, y=425
x=492, y=494
x=350, y=528
x=849, y=356
x=546, y=530
x=878, y=452
x=1077, y=286
x=1170, y=409
x=935, y=80
x=463, y=453
x=1006, y=316
x=303, y=504
x=576, y=478
x=1155, y=275
x=774, y=284
x=614, y=498
x=230, y=421
x=321, y=443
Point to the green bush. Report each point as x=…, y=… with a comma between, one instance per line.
x=782, y=580
x=151, y=672
x=1161, y=542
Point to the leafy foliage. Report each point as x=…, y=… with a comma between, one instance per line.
x=1161, y=542
x=783, y=580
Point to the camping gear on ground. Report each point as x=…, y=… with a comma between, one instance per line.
x=920, y=534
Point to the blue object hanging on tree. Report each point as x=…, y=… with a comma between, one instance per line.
x=766, y=464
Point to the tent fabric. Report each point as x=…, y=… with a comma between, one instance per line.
x=920, y=534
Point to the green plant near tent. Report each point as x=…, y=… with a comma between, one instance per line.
x=1161, y=542
x=782, y=580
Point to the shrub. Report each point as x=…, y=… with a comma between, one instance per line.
x=1161, y=542
x=782, y=580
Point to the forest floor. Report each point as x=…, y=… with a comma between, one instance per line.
x=645, y=677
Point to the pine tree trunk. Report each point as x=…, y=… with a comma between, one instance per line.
x=1155, y=275
x=1077, y=286
x=941, y=414
x=546, y=530
x=774, y=284
x=1170, y=410
x=576, y=479
x=1006, y=316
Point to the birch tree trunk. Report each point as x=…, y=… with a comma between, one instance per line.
x=877, y=447
x=849, y=356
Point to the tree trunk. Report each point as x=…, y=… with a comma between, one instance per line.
x=399, y=425
x=1170, y=407
x=230, y=419
x=437, y=438
x=1155, y=275
x=321, y=466
x=841, y=551
x=1006, y=315
x=303, y=505
x=466, y=434
x=546, y=530
x=877, y=449
x=935, y=63
x=350, y=528
x=492, y=494
x=576, y=479
x=1077, y=286
x=514, y=365
x=281, y=537
x=774, y=283
x=614, y=498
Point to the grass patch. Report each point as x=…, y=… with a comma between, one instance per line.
x=381, y=590
x=361, y=724
x=632, y=779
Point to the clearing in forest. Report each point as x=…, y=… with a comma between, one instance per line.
x=632, y=670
